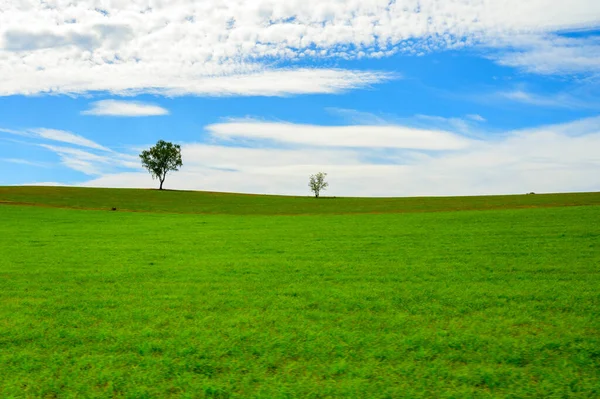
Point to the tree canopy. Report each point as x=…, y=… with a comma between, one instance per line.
x=162, y=158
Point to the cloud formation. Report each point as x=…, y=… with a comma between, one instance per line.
x=67, y=137
x=57, y=135
x=555, y=100
x=238, y=47
x=21, y=161
x=363, y=136
x=93, y=163
x=554, y=158
x=549, y=53
x=124, y=108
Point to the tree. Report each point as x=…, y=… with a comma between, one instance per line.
x=317, y=183
x=161, y=159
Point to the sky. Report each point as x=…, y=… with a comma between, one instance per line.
x=388, y=97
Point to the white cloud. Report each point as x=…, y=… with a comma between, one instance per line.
x=577, y=128
x=57, y=135
x=67, y=137
x=12, y=131
x=559, y=100
x=466, y=126
x=90, y=163
x=549, y=54
x=529, y=98
x=124, y=108
x=461, y=125
x=236, y=47
x=134, y=79
x=365, y=136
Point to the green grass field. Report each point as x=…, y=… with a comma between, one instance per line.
x=208, y=295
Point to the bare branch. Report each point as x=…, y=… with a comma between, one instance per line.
x=317, y=183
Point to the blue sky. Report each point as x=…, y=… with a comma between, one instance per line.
x=389, y=98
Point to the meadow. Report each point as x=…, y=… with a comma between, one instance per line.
x=287, y=297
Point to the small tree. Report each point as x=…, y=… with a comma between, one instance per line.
x=317, y=183
x=160, y=159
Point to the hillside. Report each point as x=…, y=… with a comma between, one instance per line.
x=196, y=202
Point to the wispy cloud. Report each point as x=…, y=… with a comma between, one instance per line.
x=458, y=124
x=464, y=125
x=581, y=127
x=356, y=117
x=79, y=158
x=57, y=135
x=124, y=108
x=247, y=82
x=25, y=162
x=559, y=100
x=91, y=163
x=476, y=118
x=549, y=53
x=377, y=136
x=67, y=137
x=12, y=131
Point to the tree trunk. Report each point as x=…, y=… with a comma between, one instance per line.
x=161, y=183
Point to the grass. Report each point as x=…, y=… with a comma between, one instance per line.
x=239, y=204
x=495, y=304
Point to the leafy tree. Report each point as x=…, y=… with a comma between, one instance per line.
x=161, y=159
x=317, y=183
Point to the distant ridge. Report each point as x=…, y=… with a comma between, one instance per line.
x=201, y=202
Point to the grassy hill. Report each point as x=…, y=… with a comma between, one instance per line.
x=357, y=298
x=244, y=204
